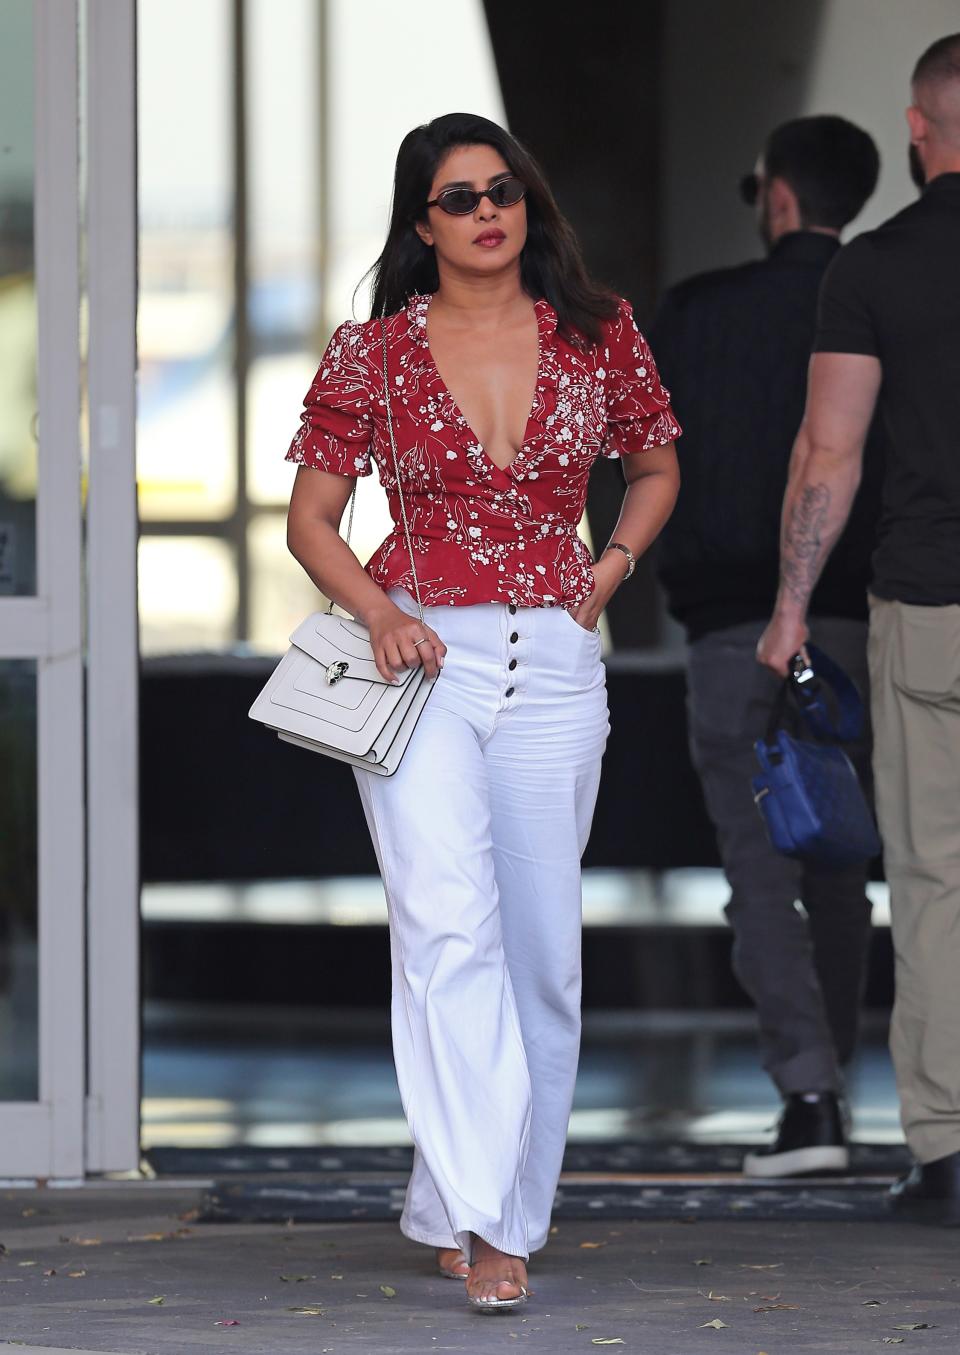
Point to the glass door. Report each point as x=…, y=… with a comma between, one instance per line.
x=41, y=715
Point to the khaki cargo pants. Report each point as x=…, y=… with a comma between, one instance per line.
x=915, y=697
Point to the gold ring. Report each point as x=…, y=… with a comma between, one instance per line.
x=422, y=641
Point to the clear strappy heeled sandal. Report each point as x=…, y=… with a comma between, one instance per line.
x=447, y=1272
x=495, y=1305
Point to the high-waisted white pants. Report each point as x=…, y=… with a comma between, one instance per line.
x=479, y=836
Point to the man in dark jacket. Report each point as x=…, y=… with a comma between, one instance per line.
x=733, y=346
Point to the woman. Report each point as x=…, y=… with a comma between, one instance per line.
x=509, y=373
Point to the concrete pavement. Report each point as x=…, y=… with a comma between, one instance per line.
x=127, y=1269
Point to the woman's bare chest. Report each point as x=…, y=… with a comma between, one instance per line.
x=492, y=382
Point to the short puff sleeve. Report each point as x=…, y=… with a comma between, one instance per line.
x=639, y=416
x=336, y=424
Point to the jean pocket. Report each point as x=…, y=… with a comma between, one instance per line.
x=729, y=695
x=577, y=626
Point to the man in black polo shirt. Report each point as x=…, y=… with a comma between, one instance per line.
x=889, y=335
x=734, y=346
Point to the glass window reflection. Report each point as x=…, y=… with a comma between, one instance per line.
x=18, y=310
x=186, y=461
x=19, y=1052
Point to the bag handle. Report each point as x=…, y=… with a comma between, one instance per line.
x=396, y=471
x=805, y=687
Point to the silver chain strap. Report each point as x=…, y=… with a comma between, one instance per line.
x=396, y=471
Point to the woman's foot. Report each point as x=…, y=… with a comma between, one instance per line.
x=452, y=1263
x=496, y=1279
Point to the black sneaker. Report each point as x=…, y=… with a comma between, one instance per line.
x=810, y=1139
x=930, y=1193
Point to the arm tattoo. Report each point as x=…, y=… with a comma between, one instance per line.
x=804, y=548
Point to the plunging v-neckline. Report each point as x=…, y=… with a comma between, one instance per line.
x=455, y=404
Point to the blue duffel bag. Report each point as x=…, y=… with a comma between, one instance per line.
x=807, y=791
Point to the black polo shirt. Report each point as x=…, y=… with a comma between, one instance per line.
x=894, y=293
x=733, y=346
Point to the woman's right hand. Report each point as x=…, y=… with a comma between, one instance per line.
x=394, y=637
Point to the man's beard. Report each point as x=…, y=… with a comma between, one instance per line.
x=764, y=224
x=917, y=173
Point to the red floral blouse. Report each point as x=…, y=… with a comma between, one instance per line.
x=482, y=534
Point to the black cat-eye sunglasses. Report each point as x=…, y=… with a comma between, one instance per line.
x=461, y=201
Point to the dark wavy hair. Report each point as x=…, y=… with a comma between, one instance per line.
x=551, y=265
x=831, y=164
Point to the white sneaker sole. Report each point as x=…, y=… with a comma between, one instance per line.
x=799, y=1162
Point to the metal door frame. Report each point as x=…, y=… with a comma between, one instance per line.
x=45, y=1137
x=86, y=1116
x=113, y=864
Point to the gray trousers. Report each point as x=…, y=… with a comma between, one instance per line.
x=804, y=969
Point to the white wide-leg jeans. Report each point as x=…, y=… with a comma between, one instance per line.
x=479, y=836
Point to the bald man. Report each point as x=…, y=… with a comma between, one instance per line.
x=889, y=335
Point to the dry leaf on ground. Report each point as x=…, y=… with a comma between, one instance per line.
x=915, y=1326
x=716, y=1324
x=308, y=1310
x=607, y=1341
x=296, y=1279
x=76, y=1274
x=892, y=1340
x=704, y=1261
x=158, y=1300
x=591, y=1246
x=388, y=1291
x=227, y=1322
x=773, y=1307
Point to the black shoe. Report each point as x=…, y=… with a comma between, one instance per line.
x=810, y=1139
x=930, y=1193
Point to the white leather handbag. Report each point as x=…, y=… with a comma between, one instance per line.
x=326, y=693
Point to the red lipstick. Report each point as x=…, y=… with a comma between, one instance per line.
x=489, y=238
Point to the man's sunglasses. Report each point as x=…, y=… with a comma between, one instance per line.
x=750, y=189
x=461, y=201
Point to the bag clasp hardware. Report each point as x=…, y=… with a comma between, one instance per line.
x=335, y=672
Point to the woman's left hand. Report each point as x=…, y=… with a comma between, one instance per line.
x=608, y=574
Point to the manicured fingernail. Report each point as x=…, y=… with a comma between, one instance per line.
x=441, y=661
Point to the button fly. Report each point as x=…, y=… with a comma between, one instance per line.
x=514, y=638
x=512, y=665
x=509, y=691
